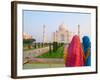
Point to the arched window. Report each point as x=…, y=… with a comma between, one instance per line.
x=62, y=37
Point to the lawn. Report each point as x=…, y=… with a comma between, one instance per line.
x=58, y=54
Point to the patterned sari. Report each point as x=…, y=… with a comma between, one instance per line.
x=75, y=53
x=87, y=50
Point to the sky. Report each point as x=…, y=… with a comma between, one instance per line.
x=33, y=22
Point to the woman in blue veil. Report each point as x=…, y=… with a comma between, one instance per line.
x=87, y=50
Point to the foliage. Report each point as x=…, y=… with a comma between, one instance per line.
x=57, y=54
x=28, y=41
x=55, y=46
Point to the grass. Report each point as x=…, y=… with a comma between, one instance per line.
x=58, y=54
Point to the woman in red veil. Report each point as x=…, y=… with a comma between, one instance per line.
x=75, y=54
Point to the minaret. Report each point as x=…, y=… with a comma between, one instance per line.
x=78, y=30
x=44, y=33
x=68, y=36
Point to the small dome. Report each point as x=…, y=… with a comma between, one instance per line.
x=63, y=27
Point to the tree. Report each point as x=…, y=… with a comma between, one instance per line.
x=55, y=46
x=28, y=42
x=50, y=47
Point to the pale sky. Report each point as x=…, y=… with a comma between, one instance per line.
x=33, y=22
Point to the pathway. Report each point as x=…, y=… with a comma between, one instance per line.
x=35, y=52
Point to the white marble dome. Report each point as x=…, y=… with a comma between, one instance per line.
x=63, y=26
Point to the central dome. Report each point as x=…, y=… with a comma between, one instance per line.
x=63, y=26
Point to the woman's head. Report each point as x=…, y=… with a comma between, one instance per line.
x=75, y=43
x=75, y=39
x=86, y=42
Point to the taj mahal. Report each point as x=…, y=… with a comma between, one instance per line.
x=63, y=34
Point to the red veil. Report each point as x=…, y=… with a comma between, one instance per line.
x=75, y=53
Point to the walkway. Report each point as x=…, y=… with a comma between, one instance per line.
x=35, y=52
